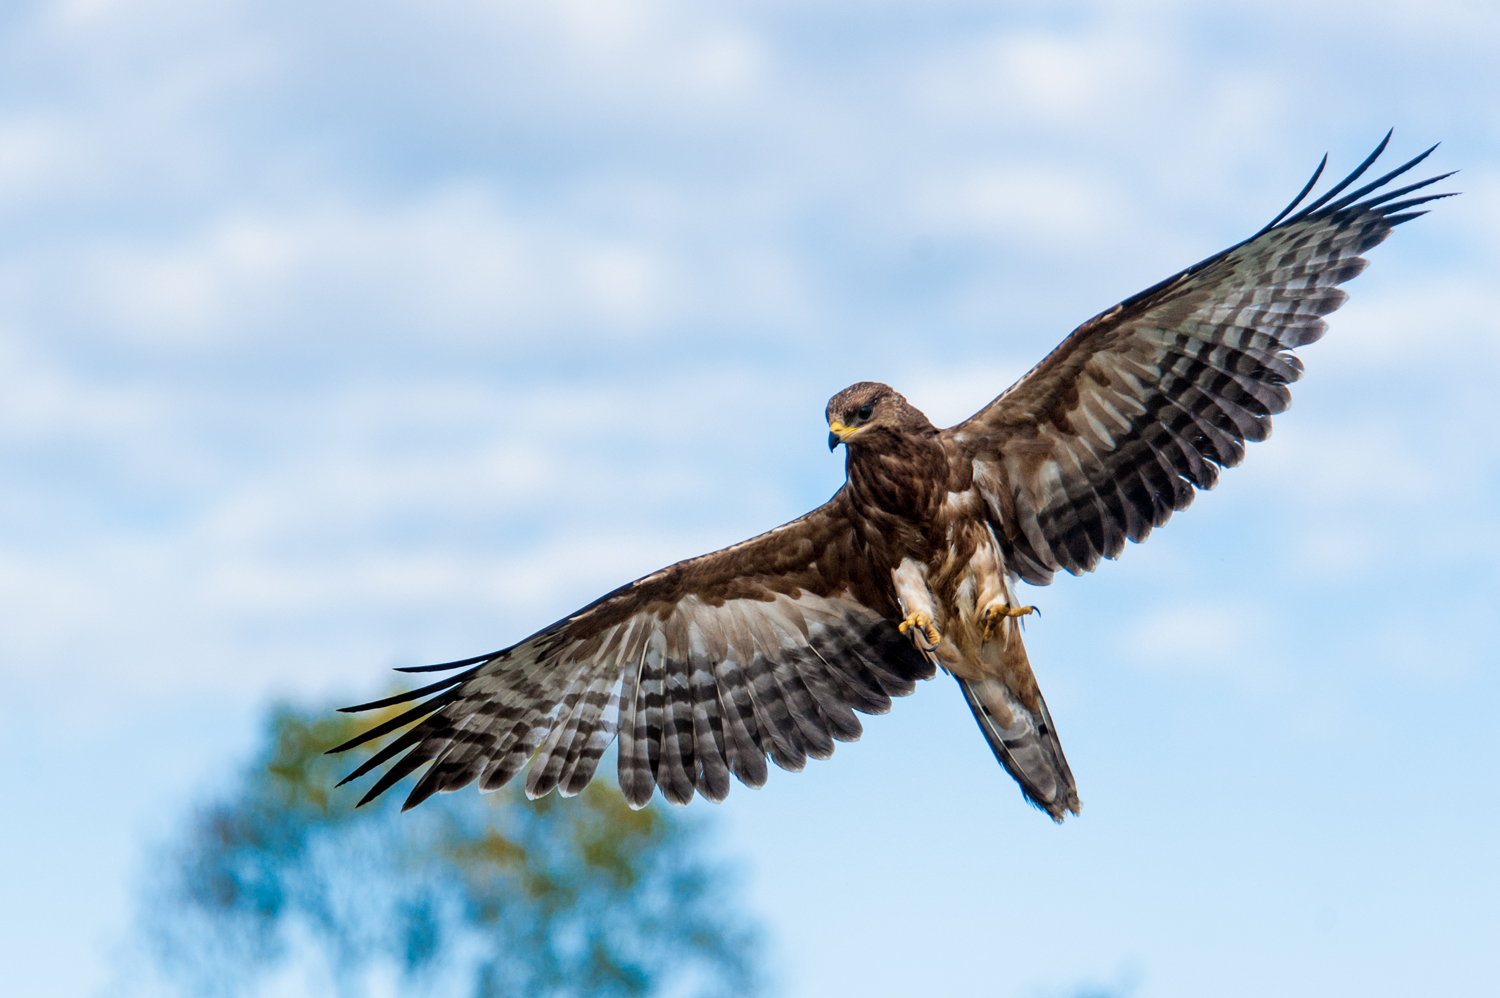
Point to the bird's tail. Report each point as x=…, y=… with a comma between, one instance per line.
x=1026, y=745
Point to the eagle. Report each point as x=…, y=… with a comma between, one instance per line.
x=770, y=648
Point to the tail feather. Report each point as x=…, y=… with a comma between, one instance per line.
x=1027, y=746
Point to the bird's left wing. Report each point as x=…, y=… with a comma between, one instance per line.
x=702, y=669
x=1111, y=432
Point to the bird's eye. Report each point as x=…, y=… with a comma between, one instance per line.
x=864, y=412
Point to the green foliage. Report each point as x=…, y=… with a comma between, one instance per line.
x=468, y=894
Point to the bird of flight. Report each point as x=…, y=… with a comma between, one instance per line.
x=767, y=648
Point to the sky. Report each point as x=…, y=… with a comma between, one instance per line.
x=335, y=337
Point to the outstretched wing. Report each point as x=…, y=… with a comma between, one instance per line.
x=1111, y=432
x=702, y=669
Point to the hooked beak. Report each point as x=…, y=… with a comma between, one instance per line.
x=838, y=433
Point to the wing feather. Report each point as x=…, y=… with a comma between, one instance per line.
x=835, y=700
x=547, y=768
x=708, y=731
x=711, y=668
x=1116, y=428
x=744, y=749
x=652, y=706
x=637, y=780
x=774, y=718
x=677, y=774
x=595, y=735
x=812, y=728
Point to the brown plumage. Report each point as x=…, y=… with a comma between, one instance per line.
x=768, y=648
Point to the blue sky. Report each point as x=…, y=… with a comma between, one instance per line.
x=335, y=337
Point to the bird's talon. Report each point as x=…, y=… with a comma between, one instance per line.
x=996, y=613
x=925, y=630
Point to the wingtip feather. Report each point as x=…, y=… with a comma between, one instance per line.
x=1359, y=171
x=1306, y=189
x=408, y=696
x=443, y=666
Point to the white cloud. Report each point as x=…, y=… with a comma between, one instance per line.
x=1053, y=210
x=949, y=397
x=451, y=265
x=1066, y=77
x=1241, y=643
x=727, y=62
x=32, y=155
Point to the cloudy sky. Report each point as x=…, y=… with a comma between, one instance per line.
x=340, y=336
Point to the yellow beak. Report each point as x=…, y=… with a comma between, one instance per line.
x=838, y=433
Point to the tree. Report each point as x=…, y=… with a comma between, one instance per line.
x=469, y=894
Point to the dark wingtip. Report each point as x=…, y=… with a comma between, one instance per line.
x=1359, y=171
x=1326, y=205
x=400, y=721
x=1349, y=199
x=424, y=789
x=398, y=771
x=407, y=697
x=1413, y=202
x=441, y=666
x=1306, y=189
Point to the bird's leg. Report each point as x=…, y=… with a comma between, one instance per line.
x=910, y=578
x=923, y=634
x=996, y=612
x=994, y=595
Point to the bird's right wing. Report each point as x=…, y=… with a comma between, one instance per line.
x=702, y=669
x=1113, y=430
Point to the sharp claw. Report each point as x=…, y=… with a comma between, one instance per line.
x=996, y=613
x=925, y=629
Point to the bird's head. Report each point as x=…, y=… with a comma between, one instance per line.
x=856, y=414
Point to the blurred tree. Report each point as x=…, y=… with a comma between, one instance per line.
x=466, y=895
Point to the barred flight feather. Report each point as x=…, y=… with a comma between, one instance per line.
x=636, y=781
x=708, y=732
x=678, y=773
x=593, y=738
x=745, y=753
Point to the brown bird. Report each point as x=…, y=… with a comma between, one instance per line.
x=769, y=647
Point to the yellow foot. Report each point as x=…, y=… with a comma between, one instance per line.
x=998, y=612
x=923, y=633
